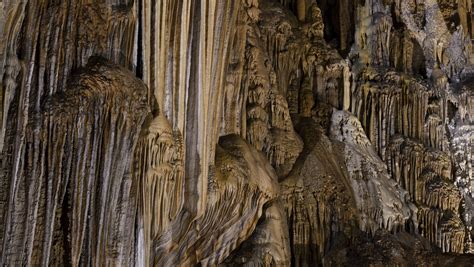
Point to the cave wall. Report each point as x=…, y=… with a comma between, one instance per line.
x=249, y=132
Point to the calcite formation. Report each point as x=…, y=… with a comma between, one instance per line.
x=236, y=133
x=72, y=201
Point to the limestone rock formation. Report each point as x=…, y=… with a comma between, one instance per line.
x=72, y=201
x=236, y=133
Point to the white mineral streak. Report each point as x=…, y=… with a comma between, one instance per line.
x=461, y=129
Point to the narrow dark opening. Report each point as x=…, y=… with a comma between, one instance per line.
x=139, y=70
x=339, y=23
x=452, y=110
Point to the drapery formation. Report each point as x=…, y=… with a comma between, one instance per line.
x=258, y=132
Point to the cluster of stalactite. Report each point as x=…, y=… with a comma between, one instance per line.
x=269, y=126
x=307, y=69
x=66, y=194
x=57, y=39
x=74, y=200
x=262, y=132
x=183, y=54
x=426, y=174
x=443, y=228
x=275, y=67
x=241, y=182
x=406, y=55
x=158, y=170
x=318, y=200
x=389, y=104
x=258, y=97
x=461, y=128
x=435, y=129
x=405, y=117
x=341, y=191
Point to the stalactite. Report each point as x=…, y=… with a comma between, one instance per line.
x=265, y=132
x=70, y=33
x=158, y=170
x=372, y=36
x=241, y=183
x=442, y=194
x=434, y=132
x=426, y=174
x=397, y=107
x=81, y=173
x=185, y=49
x=269, y=125
x=307, y=58
x=233, y=115
x=258, y=97
x=452, y=233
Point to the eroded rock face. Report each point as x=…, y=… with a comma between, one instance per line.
x=247, y=132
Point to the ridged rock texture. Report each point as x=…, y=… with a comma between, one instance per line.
x=236, y=133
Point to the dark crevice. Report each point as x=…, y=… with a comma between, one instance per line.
x=139, y=69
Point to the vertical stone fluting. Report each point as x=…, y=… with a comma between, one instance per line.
x=185, y=53
x=202, y=163
x=73, y=202
x=158, y=170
